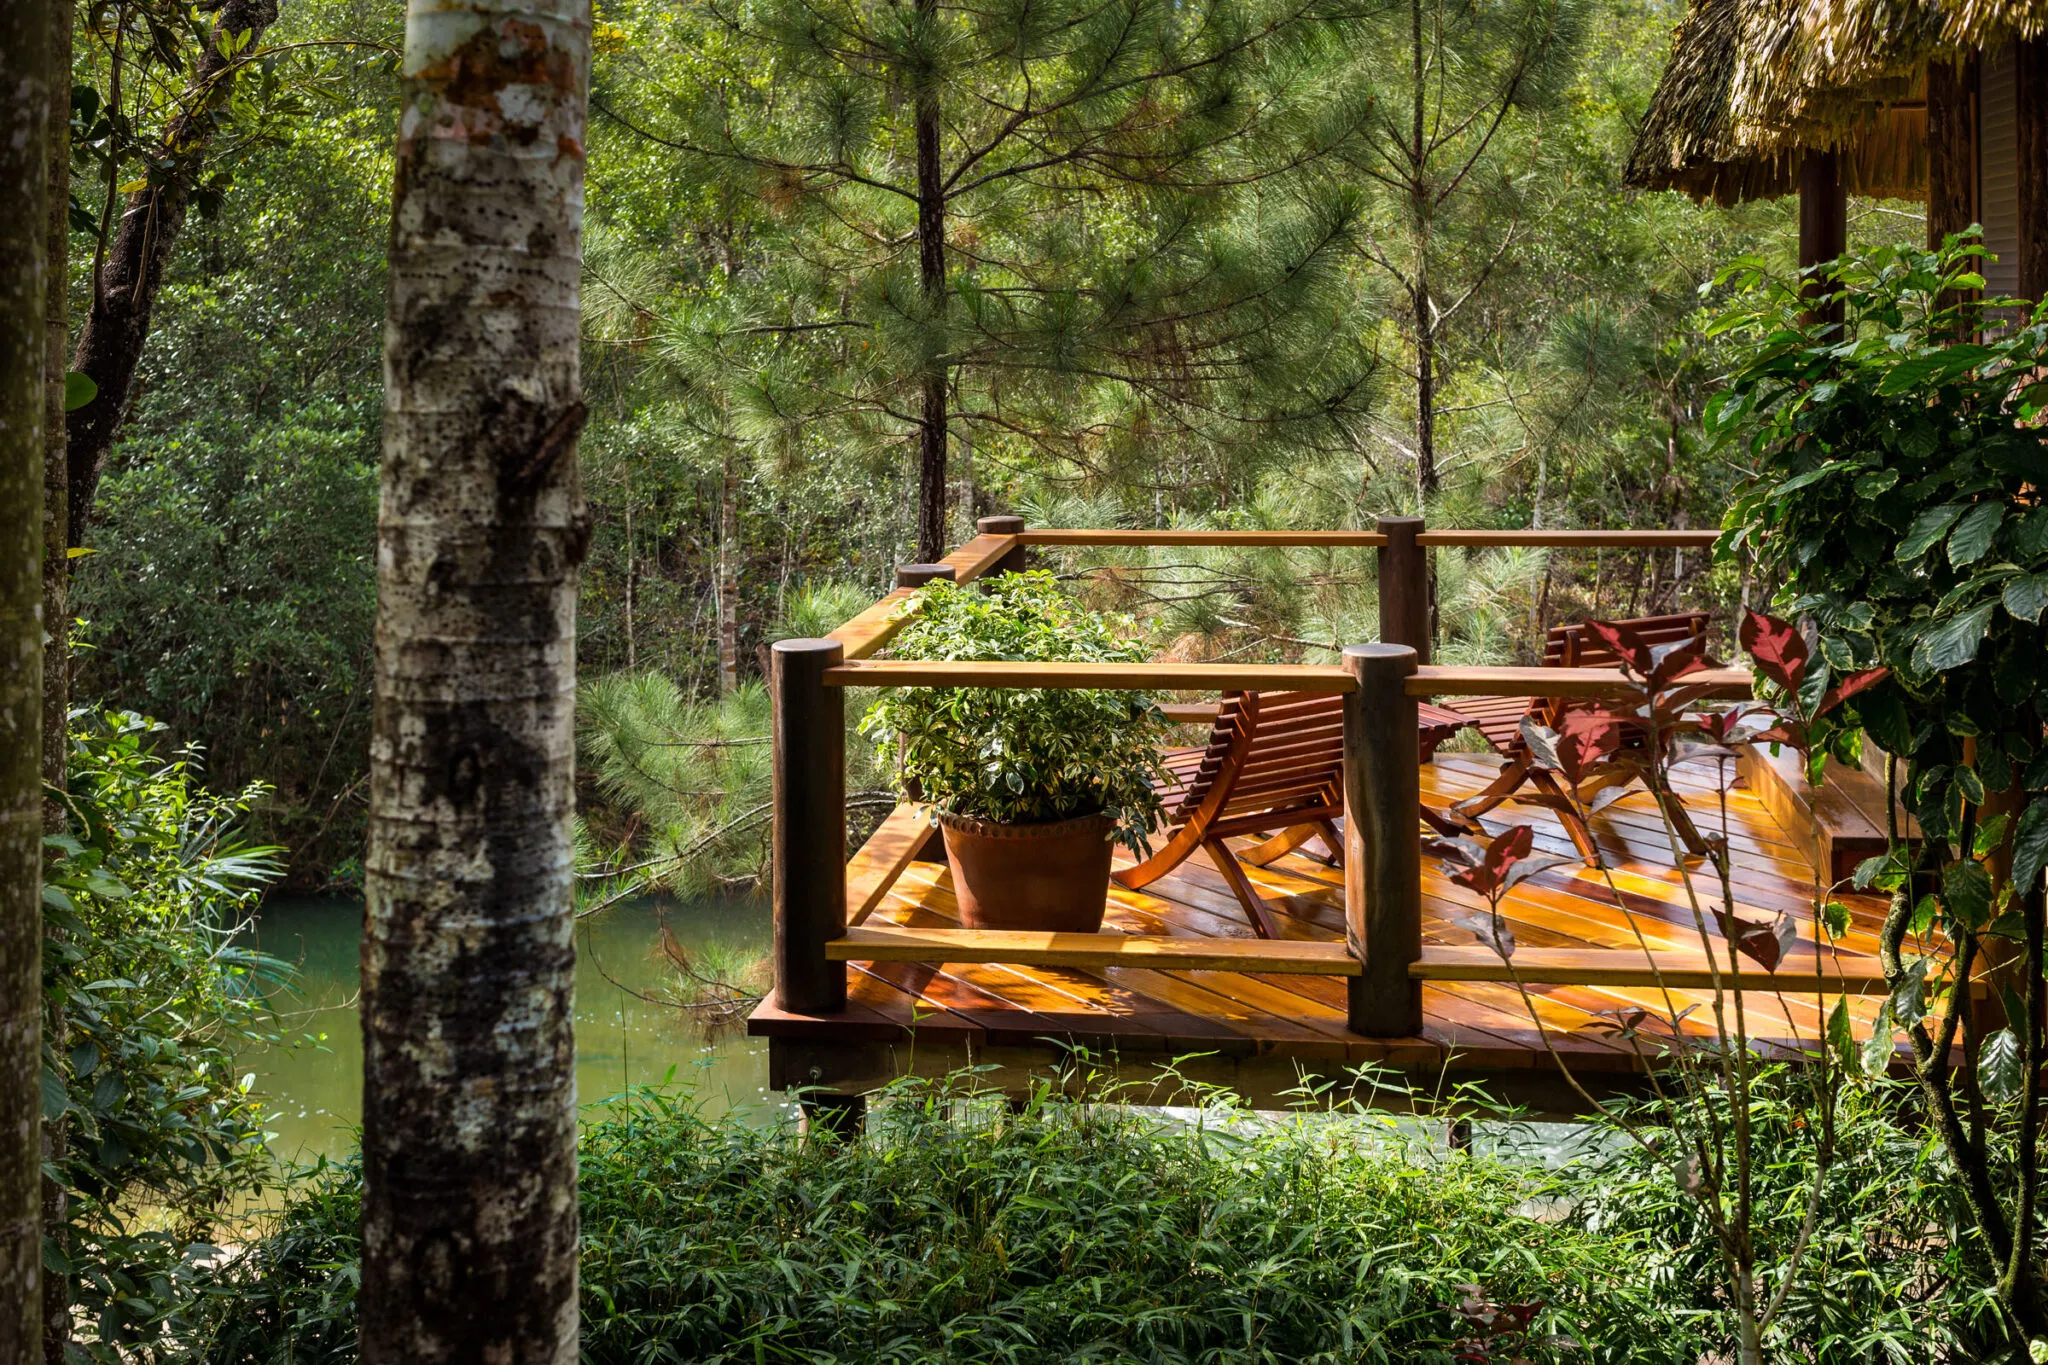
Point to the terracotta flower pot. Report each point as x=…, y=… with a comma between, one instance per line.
x=1048, y=877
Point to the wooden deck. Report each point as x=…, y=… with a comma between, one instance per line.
x=1259, y=1032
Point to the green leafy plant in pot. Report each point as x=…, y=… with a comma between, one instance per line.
x=1032, y=787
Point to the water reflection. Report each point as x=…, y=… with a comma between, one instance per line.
x=624, y=1034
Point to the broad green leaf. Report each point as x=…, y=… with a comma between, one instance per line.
x=1835, y=916
x=55, y=1100
x=1966, y=889
x=2026, y=597
x=1927, y=529
x=1953, y=642
x=79, y=389
x=1998, y=1065
x=1933, y=367
x=1878, y=1047
x=1908, y=1001
x=1842, y=1035
x=2030, y=843
x=1974, y=533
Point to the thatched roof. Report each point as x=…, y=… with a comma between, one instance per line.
x=1752, y=84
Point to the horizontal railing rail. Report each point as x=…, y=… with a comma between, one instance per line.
x=1432, y=681
x=1372, y=540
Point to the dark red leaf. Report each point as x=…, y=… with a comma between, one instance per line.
x=1777, y=647
x=1503, y=851
x=1585, y=739
x=1674, y=661
x=1766, y=944
x=1849, y=687
x=1633, y=649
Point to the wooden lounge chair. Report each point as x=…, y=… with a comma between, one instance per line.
x=1500, y=720
x=1274, y=762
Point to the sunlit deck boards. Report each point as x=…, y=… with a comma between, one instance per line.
x=1469, y=1026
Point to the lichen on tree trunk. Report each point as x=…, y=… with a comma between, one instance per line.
x=469, y=1216
x=24, y=114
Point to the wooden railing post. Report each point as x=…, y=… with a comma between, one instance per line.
x=808, y=849
x=917, y=575
x=1014, y=562
x=1382, y=853
x=1404, y=586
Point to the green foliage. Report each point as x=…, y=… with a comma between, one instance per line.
x=289, y=1298
x=149, y=995
x=1898, y=499
x=231, y=595
x=956, y=1232
x=1023, y=755
x=693, y=783
x=1894, y=1269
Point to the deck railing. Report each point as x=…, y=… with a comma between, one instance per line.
x=1382, y=957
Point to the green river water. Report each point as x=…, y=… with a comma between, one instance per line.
x=623, y=1037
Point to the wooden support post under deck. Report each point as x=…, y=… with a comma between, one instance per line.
x=1404, y=586
x=1382, y=857
x=809, y=847
x=1823, y=219
x=1014, y=562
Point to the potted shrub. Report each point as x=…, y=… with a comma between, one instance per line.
x=1031, y=787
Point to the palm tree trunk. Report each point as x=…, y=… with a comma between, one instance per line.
x=125, y=289
x=469, y=1101
x=24, y=112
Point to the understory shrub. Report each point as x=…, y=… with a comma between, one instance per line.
x=955, y=1231
x=1895, y=1269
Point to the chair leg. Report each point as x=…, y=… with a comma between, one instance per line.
x=1445, y=823
x=1247, y=896
x=1568, y=813
x=1333, y=841
x=1500, y=789
x=1281, y=844
x=1681, y=824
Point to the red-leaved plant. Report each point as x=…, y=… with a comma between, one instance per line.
x=1666, y=717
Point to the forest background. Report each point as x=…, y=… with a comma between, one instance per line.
x=1260, y=264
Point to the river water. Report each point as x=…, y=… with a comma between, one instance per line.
x=624, y=1035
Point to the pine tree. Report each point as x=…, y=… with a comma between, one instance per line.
x=1450, y=160
x=469, y=1103
x=1087, y=227
x=25, y=79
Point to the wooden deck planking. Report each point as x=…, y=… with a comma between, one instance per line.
x=1470, y=1024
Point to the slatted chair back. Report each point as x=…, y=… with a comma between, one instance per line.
x=1269, y=751
x=1500, y=720
x=1569, y=646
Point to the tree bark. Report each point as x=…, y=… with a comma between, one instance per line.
x=56, y=323
x=931, y=267
x=469, y=1101
x=56, y=592
x=25, y=78
x=124, y=293
x=1420, y=212
x=729, y=574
